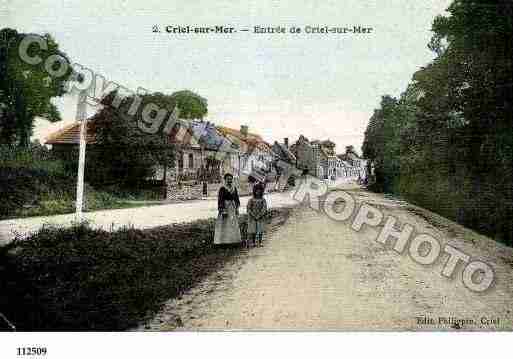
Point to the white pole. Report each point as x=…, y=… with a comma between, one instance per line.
x=82, y=119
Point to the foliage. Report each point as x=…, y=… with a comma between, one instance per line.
x=191, y=105
x=447, y=142
x=36, y=182
x=85, y=279
x=27, y=176
x=26, y=90
x=128, y=154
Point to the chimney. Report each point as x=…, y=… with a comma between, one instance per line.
x=286, y=142
x=244, y=130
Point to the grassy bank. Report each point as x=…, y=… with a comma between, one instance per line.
x=84, y=279
x=31, y=193
x=34, y=182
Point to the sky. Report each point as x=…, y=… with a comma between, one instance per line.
x=324, y=86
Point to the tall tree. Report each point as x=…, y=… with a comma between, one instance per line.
x=191, y=105
x=447, y=143
x=26, y=90
x=128, y=154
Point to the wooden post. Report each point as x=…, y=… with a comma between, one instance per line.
x=82, y=118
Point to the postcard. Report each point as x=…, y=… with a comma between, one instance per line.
x=260, y=166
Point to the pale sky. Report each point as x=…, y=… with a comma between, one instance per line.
x=281, y=85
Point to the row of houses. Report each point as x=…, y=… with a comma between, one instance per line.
x=205, y=152
x=320, y=159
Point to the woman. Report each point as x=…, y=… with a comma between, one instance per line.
x=227, y=224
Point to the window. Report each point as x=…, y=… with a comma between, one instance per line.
x=191, y=160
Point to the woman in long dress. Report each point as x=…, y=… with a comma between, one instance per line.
x=227, y=225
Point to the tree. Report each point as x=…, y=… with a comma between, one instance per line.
x=127, y=154
x=191, y=105
x=447, y=143
x=26, y=90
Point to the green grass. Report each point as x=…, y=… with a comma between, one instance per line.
x=81, y=279
x=36, y=182
x=95, y=200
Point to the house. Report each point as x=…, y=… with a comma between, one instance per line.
x=256, y=155
x=359, y=165
x=282, y=152
x=321, y=160
x=318, y=157
x=346, y=171
x=285, y=164
x=202, y=152
x=306, y=157
x=66, y=139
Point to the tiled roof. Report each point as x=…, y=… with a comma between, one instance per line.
x=209, y=136
x=183, y=133
x=233, y=132
x=70, y=135
x=251, y=139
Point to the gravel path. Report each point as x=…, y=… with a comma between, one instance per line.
x=317, y=274
x=139, y=217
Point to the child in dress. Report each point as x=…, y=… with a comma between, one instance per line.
x=257, y=211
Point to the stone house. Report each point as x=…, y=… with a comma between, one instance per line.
x=321, y=160
x=318, y=157
x=306, y=157
x=256, y=155
x=202, y=154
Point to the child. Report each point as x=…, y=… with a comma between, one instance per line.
x=257, y=211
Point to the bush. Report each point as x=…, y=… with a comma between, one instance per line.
x=36, y=157
x=24, y=187
x=85, y=279
x=37, y=181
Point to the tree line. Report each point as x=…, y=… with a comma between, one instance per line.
x=446, y=142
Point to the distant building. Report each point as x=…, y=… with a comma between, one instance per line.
x=320, y=159
x=282, y=152
x=359, y=165
x=256, y=155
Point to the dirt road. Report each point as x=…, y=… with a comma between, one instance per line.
x=139, y=217
x=318, y=274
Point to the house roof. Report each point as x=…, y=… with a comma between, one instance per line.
x=250, y=140
x=328, y=143
x=237, y=133
x=188, y=133
x=208, y=135
x=283, y=152
x=70, y=135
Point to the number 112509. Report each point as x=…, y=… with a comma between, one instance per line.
x=31, y=351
